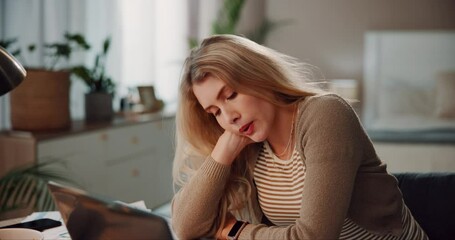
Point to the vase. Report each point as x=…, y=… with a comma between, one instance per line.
x=98, y=107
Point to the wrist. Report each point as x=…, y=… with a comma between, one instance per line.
x=222, y=156
x=228, y=224
x=235, y=230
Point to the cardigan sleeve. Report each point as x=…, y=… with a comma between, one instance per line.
x=195, y=206
x=329, y=133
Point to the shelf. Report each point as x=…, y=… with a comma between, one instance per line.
x=121, y=119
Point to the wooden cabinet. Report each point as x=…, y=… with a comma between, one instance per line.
x=146, y=163
x=127, y=162
x=15, y=151
x=82, y=158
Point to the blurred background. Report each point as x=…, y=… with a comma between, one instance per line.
x=395, y=61
x=151, y=38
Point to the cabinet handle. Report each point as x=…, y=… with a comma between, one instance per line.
x=135, y=172
x=134, y=140
x=103, y=137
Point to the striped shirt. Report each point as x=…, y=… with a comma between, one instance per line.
x=280, y=185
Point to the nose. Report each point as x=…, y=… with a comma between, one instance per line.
x=231, y=116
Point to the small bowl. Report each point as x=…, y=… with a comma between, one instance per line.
x=20, y=234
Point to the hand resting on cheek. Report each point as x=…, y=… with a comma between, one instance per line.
x=229, y=145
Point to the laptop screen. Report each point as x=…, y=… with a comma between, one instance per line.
x=91, y=217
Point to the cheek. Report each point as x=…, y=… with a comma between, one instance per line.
x=262, y=134
x=222, y=123
x=226, y=126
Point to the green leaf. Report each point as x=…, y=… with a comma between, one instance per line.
x=63, y=50
x=106, y=44
x=16, y=52
x=97, y=62
x=78, y=39
x=31, y=47
x=95, y=77
x=21, y=189
x=27, y=186
x=228, y=17
x=193, y=42
x=7, y=42
x=54, y=52
x=83, y=73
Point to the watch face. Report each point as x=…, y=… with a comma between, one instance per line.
x=232, y=234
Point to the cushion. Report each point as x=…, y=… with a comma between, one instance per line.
x=405, y=98
x=431, y=199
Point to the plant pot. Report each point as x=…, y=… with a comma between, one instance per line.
x=41, y=102
x=98, y=107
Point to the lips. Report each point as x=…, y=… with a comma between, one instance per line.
x=247, y=129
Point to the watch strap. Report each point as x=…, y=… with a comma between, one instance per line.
x=236, y=229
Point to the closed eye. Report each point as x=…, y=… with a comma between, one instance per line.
x=232, y=96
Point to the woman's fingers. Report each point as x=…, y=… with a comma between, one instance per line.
x=229, y=145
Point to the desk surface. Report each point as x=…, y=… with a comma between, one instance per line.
x=11, y=221
x=57, y=233
x=61, y=233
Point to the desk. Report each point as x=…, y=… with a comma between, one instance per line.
x=57, y=233
x=61, y=233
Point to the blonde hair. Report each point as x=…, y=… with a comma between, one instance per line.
x=248, y=68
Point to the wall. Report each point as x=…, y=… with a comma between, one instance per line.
x=329, y=34
x=203, y=13
x=40, y=25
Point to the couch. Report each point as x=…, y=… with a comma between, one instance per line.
x=431, y=199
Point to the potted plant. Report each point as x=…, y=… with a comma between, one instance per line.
x=42, y=101
x=98, y=100
x=24, y=189
x=227, y=21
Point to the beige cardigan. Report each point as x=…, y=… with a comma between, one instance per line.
x=344, y=178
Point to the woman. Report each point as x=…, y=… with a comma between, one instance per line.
x=262, y=154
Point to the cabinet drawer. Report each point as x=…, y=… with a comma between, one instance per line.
x=82, y=157
x=62, y=147
x=127, y=141
x=140, y=179
x=127, y=163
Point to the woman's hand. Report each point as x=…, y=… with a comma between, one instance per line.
x=228, y=147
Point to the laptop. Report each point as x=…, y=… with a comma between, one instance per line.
x=90, y=217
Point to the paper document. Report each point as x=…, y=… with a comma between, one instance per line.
x=61, y=233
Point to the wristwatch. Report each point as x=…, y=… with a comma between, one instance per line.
x=236, y=229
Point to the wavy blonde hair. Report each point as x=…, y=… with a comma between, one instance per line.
x=248, y=68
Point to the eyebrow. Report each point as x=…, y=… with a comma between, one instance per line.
x=217, y=97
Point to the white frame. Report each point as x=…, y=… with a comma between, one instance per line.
x=397, y=53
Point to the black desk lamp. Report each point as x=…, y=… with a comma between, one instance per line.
x=11, y=72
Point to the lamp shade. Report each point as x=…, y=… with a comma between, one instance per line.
x=11, y=72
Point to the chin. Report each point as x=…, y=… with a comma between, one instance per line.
x=255, y=140
x=258, y=138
